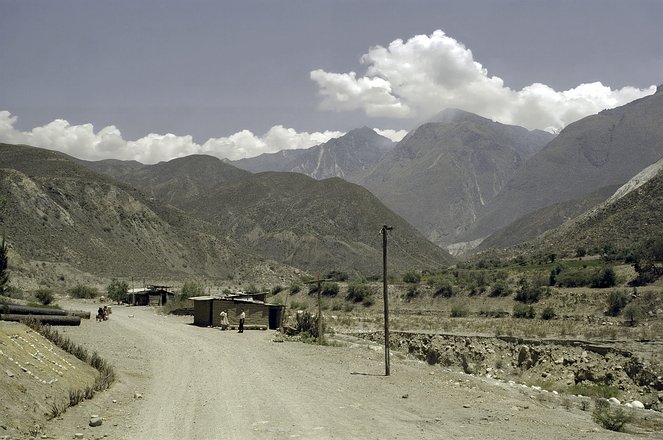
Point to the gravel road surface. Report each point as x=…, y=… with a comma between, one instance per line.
x=179, y=381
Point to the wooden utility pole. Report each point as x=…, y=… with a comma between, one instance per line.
x=319, y=281
x=385, y=294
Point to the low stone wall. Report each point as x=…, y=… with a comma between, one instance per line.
x=554, y=363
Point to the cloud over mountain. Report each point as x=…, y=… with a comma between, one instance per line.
x=425, y=74
x=83, y=142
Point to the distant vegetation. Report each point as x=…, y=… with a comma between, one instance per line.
x=81, y=291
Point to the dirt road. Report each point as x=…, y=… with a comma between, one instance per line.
x=179, y=381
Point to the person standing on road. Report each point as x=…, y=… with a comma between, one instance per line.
x=224, y=320
x=242, y=316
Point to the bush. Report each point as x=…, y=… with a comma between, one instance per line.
x=617, y=300
x=295, y=288
x=610, y=418
x=411, y=277
x=412, y=292
x=191, y=289
x=81, y=291
x=574, y=278
x=276, y=290
x=459, y=311
x=358, y=291
x=604, y=278
x=443, y=288
x=528, y=293
x=44, y=296
x=500, y=288
x=632, y=313
x=307, y=323
x=328, y=289
x=548, y=313
x=337, y=275
x=117, y=290
x=523, y=311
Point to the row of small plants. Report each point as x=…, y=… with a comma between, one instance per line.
x=102, y=382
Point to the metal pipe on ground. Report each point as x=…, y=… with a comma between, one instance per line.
x=44, y=319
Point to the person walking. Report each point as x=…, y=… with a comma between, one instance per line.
x=242, y=316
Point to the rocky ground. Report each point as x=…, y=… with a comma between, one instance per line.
x=175, y=380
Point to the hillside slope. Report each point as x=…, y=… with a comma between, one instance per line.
x=441, y=174
x=598, y=151
x=54, y=210
x=633, y=214
x=317, y=225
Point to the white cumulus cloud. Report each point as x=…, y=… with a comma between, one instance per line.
x=427, y=73
x=394, y=135
x=83, y=142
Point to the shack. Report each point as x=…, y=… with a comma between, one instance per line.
x=151, y=295
x=259, y=314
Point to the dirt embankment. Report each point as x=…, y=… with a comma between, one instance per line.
x=551, y=364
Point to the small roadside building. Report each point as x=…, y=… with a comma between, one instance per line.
x=151, y=296
x=259, y=314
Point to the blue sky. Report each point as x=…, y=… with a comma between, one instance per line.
x=152, y=80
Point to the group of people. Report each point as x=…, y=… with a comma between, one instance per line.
x=102, y=313
x=225, y=324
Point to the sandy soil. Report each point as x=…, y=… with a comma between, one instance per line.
x=179, y=381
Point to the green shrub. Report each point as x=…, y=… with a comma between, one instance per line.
x=276, y=290
x=500, y=288
x=81, y=291
x=443, y=288
x=610, y=418
x=294, y=288
x=523, y=311
x=44, y=296
x=632, y=313
x=191, y=289
x=117, y=290
x=357, y=291
x=13, y=292
x=459, y=311
x=330, y=289
x=617, y=300
x=368, y=301
x=337, y=275
x=574, y=277
x=528, y=293
x=548, y=313
x=593, y=390
x=411, y=292
x=605, y=277
x=411, y=277
x=307, y=323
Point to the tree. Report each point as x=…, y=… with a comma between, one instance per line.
x=4, y=263
x=117, y=290
x=191, y=289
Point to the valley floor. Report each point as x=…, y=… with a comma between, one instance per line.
x=179, y=381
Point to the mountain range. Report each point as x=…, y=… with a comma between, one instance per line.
x=193, y=217
x=595, y=152
x=457, y=181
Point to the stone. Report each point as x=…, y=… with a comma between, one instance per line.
x=95, y=421
x=614, y=401
x=78, y=435
x=9, y=373
x=637, y=404
x=138, y=396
